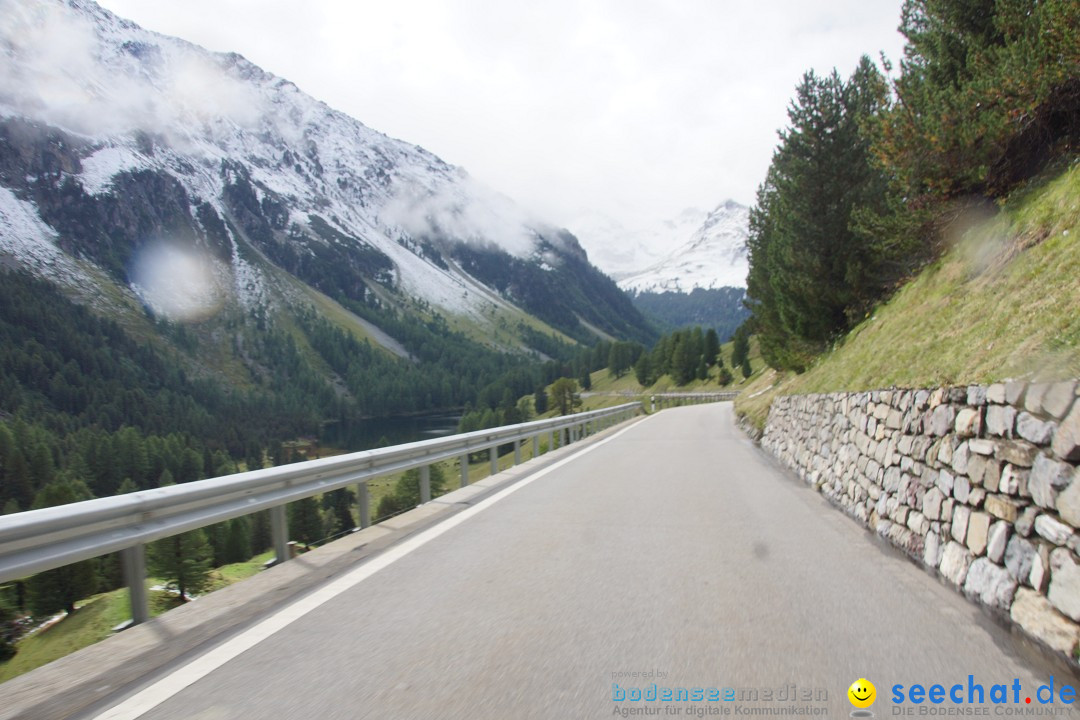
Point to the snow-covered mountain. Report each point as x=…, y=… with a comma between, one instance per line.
x=117, y=142
x=698, y=249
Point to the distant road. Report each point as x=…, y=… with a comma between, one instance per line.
x=676, y=547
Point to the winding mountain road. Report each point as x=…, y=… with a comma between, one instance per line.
x=671, y=551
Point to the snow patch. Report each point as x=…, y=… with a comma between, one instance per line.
x=249, y=285
x=100, y=168
x=25, y=237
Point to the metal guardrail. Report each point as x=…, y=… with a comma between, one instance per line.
x=40, y=540
x=675, y=399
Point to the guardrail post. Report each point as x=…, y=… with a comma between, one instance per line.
x=134, y=562
x=279, y=531
x=551, y=440
x=536, y=446
x=425, y=484
x=517, y=452
x=464, y=460
x=363, y=505
x=564, y=437
x=494, y=459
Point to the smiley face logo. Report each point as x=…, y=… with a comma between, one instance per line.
x=862, y=693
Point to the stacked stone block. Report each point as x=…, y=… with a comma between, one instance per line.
x=979, y=483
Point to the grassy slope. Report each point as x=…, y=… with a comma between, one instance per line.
x=98, y=615
x=1004, y=302
x=608, y=391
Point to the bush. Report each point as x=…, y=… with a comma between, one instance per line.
x=406, y=493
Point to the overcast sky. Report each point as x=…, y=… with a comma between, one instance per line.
x=633, y=108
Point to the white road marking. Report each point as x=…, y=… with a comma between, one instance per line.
x=153, y=695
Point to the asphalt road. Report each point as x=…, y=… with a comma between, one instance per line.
x=675, y=548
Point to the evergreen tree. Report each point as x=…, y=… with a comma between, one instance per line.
x=702, y=370
x=586, y=381
x=564, y=395
x=342, y=502
x=182, y=561
x=540, y=400
x=59, y=589
x=697, y=343
x=306, y=523
x=622, y=356
x=238, y=540
x=812, y=272
x=740, y=347
x=261, y=536
x=683, y=360
x=42, y=469
x=406, y=493
x=643, y=370
x=712, y=348
x=987, y=92
x=215, y=537
x=9, y=632
x=747, y=371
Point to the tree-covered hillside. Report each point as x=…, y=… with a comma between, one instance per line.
x=719, y=308
x=873, y=170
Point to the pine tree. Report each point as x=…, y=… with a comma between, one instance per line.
x=702, y=371
x=540, y=400
x=712, y=348
x=8, y=632
x=59, y=589
x=306, y=522
x=182, y=561
x=643, y=370
x=342, y=502
x=683, y=361
x=740, y=347
x=812, y=271
x=406, y=493
x=980, y=84
x=261, y=537
x=564, y=395
x=238, y=540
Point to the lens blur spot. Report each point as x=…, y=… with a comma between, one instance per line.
x=176, y=282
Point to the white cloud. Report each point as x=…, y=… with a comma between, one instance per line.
x=66, y=75
x=636, y=108
x=465, y=211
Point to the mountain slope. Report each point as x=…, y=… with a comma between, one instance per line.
x=999, y=304
x=122, y=150
x=714, y=256
x=719, y=308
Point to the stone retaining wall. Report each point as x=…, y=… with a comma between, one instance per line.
x=979, y=483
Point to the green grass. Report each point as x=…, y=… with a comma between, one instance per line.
x=91, y=623
x=95, y=618
x=1001, y=303
x=610, y=391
